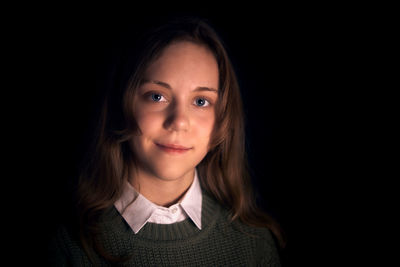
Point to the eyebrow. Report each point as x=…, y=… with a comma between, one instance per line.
x=166, y=85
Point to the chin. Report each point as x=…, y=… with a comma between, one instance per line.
x=171, y=172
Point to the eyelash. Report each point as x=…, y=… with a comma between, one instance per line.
x=150, y=94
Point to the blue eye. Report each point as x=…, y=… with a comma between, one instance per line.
x=201, y=102
x=156, y=97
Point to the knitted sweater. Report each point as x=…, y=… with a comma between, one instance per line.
x=219, y=243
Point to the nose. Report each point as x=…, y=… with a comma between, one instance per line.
x=177, y=118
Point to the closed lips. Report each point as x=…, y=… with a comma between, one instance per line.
x=173, y=146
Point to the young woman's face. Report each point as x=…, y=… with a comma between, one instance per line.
x=175, y=110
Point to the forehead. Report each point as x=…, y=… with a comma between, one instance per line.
x=185, y=61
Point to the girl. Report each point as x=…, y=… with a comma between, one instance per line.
x=166, y=183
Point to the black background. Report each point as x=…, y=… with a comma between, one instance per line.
x=292, y=63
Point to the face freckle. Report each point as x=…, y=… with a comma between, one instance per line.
x=175, y=108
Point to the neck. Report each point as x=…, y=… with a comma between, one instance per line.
x=161, y=191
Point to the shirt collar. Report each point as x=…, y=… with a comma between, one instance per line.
x=136, y=209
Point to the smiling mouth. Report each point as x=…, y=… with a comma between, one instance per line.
x=173, y=149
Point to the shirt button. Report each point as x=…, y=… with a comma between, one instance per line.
x=174, y=209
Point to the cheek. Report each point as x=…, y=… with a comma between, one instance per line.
x=149, y=124
x=148, y=121
x=204, y=126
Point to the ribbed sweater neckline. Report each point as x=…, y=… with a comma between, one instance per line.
x=176, y=231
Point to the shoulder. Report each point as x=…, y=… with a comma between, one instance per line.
x=237, y=226
x=263, y=235
x=56, y=254
x=62, y=247
x=266, y=250
x=261, y=240
x=256, y=242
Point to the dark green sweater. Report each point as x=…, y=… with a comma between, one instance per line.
x=219, y=243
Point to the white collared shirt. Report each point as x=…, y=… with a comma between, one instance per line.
x=141, y=210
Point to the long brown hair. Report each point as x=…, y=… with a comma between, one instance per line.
x=223, y=172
